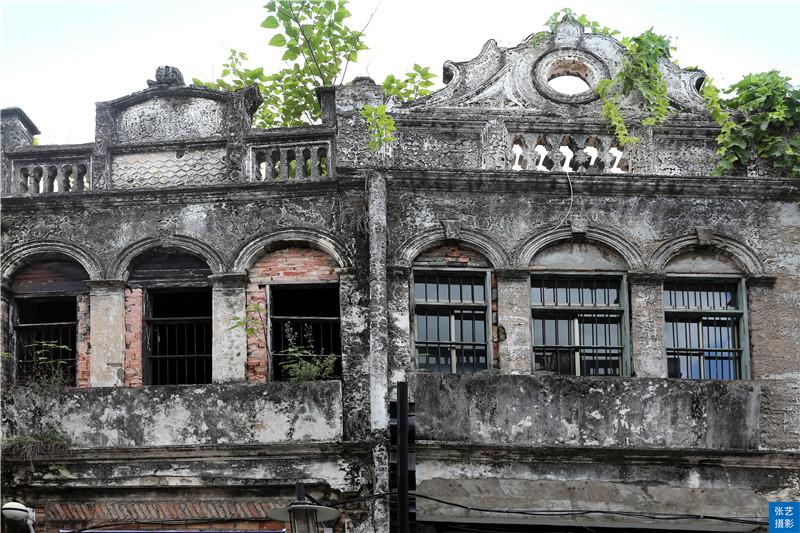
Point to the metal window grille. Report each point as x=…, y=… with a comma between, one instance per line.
x=702, y=329
x=316, y=336
x=451, y=322
x=578, y=325
x=319, y=336
x=179, y=346
x=45, y=338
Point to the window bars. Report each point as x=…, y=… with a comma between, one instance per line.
x=578, y=325
x=179, y=337
x=451, y=321
x=46, y=340
x=703, y=329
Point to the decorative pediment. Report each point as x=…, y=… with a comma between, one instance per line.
x=518, y=77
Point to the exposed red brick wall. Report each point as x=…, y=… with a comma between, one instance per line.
x=83, y=344
x=257, y=369
x=452, y=254
x=287, y=265
x=219, y=515
x=134, y=316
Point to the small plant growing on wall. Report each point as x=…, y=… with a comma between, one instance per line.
x=42, y=388
x=300, y=362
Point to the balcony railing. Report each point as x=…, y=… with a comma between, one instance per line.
x=299, y=161
x=563, y=152
x=50, y=175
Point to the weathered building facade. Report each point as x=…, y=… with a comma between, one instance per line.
x=584, y=327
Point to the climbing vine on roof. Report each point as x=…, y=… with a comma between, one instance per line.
x=760, y=119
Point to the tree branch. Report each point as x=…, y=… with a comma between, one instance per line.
x=305, y=40
x=347, y=57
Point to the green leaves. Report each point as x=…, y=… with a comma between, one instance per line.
x=278, y=40
x=380, y=125
x=270, y=23
x=417, y=83
x=768, y=117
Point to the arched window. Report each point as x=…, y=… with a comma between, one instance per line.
x=296, y=288
x=579, y=310
x=452, y=310
x=49, y=298
x=704, y=317
x=170, y=303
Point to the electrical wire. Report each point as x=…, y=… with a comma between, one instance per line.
x=526, y=512
x=582, y=512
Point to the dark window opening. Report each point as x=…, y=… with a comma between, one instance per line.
x=305, y=325
x=577, y=326
x=702, y=329
x=179, y=337
x=451, y=322
x=45, y=336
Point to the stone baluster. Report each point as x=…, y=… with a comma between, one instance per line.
x=299, y=156
x=555, y=152
x=47, y=179
x=284, y=167
x=34, y=178
x=21, y=185
x=64, y=172
x=314, y=161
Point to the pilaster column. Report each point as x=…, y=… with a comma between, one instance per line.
x=514, y=315
x=355, y=356
x=228, y=346
x=107, y=326
x=647, y=325
x=401, y=359
x=378, y=322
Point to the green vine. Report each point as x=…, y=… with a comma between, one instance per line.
x=380, y=125
x=760, y=120
x=767, y=110
x=639, y=74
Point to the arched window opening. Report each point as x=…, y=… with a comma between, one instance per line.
x=50, y=301
x=704, y=317
x=295, y=288
x=578, y=299
x=169, y=301
x=453, y=303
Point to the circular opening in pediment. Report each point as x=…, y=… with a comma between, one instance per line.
x=569, y=75
x=568, y=85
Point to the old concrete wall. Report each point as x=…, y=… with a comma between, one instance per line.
x=678, y=482
x=180, y=415
x=543, y=410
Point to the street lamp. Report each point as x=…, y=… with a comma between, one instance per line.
x=303, y=516
x=17, y=512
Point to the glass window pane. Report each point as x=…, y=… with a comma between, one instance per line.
x=443, y=290
x=479, y=290
x=455, y=290
x=419, y=289
x=561, y=293
x=536, y=295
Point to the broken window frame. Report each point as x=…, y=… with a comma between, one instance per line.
x=40, y=362
x=278, y=357
x=705, y=315
x=576, y=350
x=151, y=326
x=451, y=309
